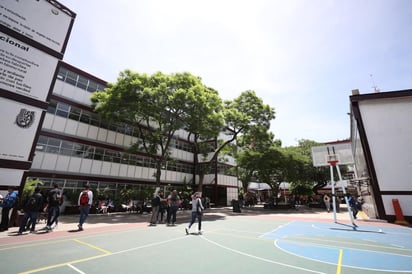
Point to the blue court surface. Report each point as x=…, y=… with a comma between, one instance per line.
x=231, y=243
x=364, y=247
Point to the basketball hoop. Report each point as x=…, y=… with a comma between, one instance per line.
x=332, y=159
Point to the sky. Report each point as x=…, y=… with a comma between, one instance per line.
x=301, y=57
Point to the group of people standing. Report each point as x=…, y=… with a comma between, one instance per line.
x=170, y=204
x=160, y=204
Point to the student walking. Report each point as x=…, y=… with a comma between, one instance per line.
x=85, y=202
x=54, y=200
x=197, y=212
x=32, y=206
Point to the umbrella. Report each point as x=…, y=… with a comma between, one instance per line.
x=258, y=186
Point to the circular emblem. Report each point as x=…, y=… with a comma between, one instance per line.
x=25, y=118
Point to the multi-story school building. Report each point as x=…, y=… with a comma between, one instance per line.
x=75, y=146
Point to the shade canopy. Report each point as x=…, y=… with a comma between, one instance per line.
x=258, y=186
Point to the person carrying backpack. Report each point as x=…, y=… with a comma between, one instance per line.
x=7, y=203
x=197, y=212
x=85, y=202
x=31, y=208
x=54, y=200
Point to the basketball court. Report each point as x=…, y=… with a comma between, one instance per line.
x=255, y=241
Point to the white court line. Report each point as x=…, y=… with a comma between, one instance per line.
x=76, y=269
x=344, y=265
x=279, y=227
x=259, y=258
x=392, y=246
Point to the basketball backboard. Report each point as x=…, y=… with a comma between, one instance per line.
x=340, y=152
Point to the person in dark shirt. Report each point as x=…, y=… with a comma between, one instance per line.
x=31, y=208
x=54, y=199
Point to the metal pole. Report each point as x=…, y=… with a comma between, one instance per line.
x=346, y=198
x=333, y=193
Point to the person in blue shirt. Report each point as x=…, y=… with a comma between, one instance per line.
x=6, y=204
x=353, y=203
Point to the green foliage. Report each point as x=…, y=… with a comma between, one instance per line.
x=30, y=185
x=301, y=188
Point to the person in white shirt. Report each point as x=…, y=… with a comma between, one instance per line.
x=197, y=212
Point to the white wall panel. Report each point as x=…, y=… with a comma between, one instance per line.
x=119, y=139
x=106, y=168
x=86, y=166
x=138, y=172
x=102, y=135
x=49, y=161
x=127, y=141
x=71, y=127
x=48, y=121
x=131, y=171
x=38, y=159
x=75, y=164
x=388, y=126
x=92, y=133
x=96, y=167
x=111, y=136
x=123, y=171
x=82, y=130
x=114, y=171
x=62, y=162
x=59, y=123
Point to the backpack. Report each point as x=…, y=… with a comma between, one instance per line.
x=31, y=203
x=156, y=201
x=198, y=207
x=56, y=198
x=84, y=198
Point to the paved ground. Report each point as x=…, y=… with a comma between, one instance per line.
x=69, y=222
x=254, y=241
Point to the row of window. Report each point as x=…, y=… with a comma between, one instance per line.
x=78, y=80
x=87, y=117
x=62, y=147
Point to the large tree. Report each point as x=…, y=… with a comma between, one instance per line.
x=242, y=116
x=157, y=106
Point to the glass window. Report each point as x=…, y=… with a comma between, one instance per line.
x=71, y=78
x=85, y=118
x=62, y=73
x=53, y=145
x=62, y=110
x=74, y=113
x=82, y=82
x=92, y=87
x=94, y=119
x=66, y=148
x=98, y=154
x=51, y=108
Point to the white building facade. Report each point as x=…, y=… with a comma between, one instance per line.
x=75, y=146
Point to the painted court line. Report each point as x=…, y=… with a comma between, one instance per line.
x=70, y=264
x=260, y=258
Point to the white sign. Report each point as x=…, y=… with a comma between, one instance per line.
x=24, y=69
x=10, y=177
x=20, y=122
x=38, y=20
